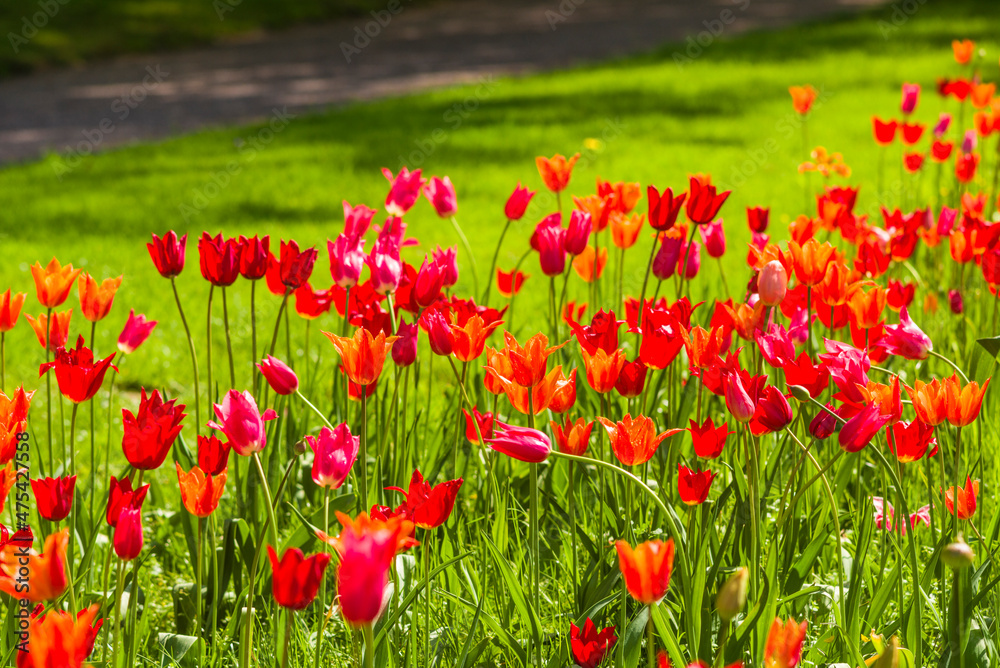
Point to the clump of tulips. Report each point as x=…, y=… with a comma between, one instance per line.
x=764, y=477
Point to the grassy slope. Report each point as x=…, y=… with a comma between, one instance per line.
x=727, y=112
x=73, y=31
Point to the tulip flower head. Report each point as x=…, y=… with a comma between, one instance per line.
x=634, y=441
x=96, y=300
x=803, y=98
x=149, y=433
x=78, y=375
x=522, y=443
x=10, y=309
x=783, y=648
x=693, y=486
x=366, y=552
x=53, y=282
x=441, y=194
x=646, y=569
x=296, y=578
x=428, y=507
x=556, y=171
x=128, y=540
x=200, y=493
x=590, y=645
x=334, y=453
x=279, y=375
x=242, y=423
x=518, y=202
x=121, y=496
x=966, y=499
x=54, y=497
x=708, y=439
x=137, y=329
x=167, y=253
x=404, y=190
x=60, y=638
x=363, y=355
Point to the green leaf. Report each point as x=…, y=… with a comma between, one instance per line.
x=514, y=590
x=176, y=647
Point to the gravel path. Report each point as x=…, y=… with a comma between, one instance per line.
x=402, y=49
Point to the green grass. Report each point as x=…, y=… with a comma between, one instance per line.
x=64, y=32
x=727, y=113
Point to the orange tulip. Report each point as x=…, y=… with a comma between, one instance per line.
x=625, y=229
x=469, y=340
x=363, y=525
x=96, y=300
x=930, y=401
x=574, y=437
x=634, y=441
x=498, y=368
x=810, y=260
x=47, y=577
x=963, y=50
x=53, y=282
x=363, y=354
x=835, y=286
x=52, y=333
x=603, y=369
x=564, y=395
x=702, y=346
x=621, y=196
x=866, y=307
x=528, y=362
x=10, y=309
x=783, y=648
x=556, y=171
x=982, y=95
x=584, y=265
x=8, y=477
x=60, y=638
x=544, y=394
x=598, y=207
x=966, y=499
x=646, y=569
x=200, y=493
x=802, y=97
x=746, y=319
x=803, y=228
x=962, y=404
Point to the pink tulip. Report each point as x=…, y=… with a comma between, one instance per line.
x=404, y=350
x=946, y=221
x=776, y=346
x=386, y=267
x=438, y=332
x=335, y=451
x=693, y=260
x=955, y=302
x=772, y=283
x=772, y=412
x=404, y=191
x=441, y=194
x=128, y=534
x=240, y=420
x=944, y=120
x=969, y=142
x=578, y=234
x=738, y=401
x=364, y=573
x=357, y=219
x=447, y=261
x=861, y=428
x=667, y=258
x=279, y=375
x=906, y=339
x=911, y=93
x=347, y=259
x=823, y=425
x=137, y=330
x=713, y=235
x=522, y=443
x=551, y=251
x=517, y=203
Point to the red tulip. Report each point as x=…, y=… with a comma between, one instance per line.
x=572, y=438
x=590, y=646
x=509, y=283
x=295, y=267
x=311, y=304
x=51, y=333
x=121, y=496
x=404, y=349
x=772, y=412
x=168, y=253
x=447, y=262
x=253, y=254
x=10, y=309
x=279, y=375
x=426, y=506
x=703, y=202
x=861, y=428
x=296, y=578
x=708, y=439
x=78, y=375
x=219, y=259
x=517, y=203
x=646, y=569
x=484, y=422
x=54, y=497
x=911, y=440
x=783, y=648
x=663, y=208
x=739, y=403
x=632, y=378
x=149, y=433
x=906, y=340
x=430, y=281
x=693, y=486
x=137, y=330
x=885, y=131
x=128, y=538
x=365, y=556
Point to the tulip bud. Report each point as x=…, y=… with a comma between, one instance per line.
x=800, y=393
x=956, y=302
x=523, y=443
x=404, y=349
x=733, y=595
x=889, y=658
x=737, y=400
x=128, y=534
x=279, y=375
x=772, y=283
x=299, y=447
x=958, y=555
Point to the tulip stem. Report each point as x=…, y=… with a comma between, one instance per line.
x=288, y=637
x=268, y=501
x=320, y=622
x=468, y=250
x=363, y=477
x=369, y=646
x=48, y=388
x=650, y=652
x=277, y=321
x=573, y=530
x=645, y=282
x=427, y=597
x=493, y=264
x=3, y=362
x=253, y=330
x=229, y=341
x=197, y=589
x=208, y=343
x=75, y=509
x=213, y=607
x=116, y=613
x=194, y=361
x=315, y=410
x=535, y=552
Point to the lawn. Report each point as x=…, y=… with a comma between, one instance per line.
x=651, y=119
